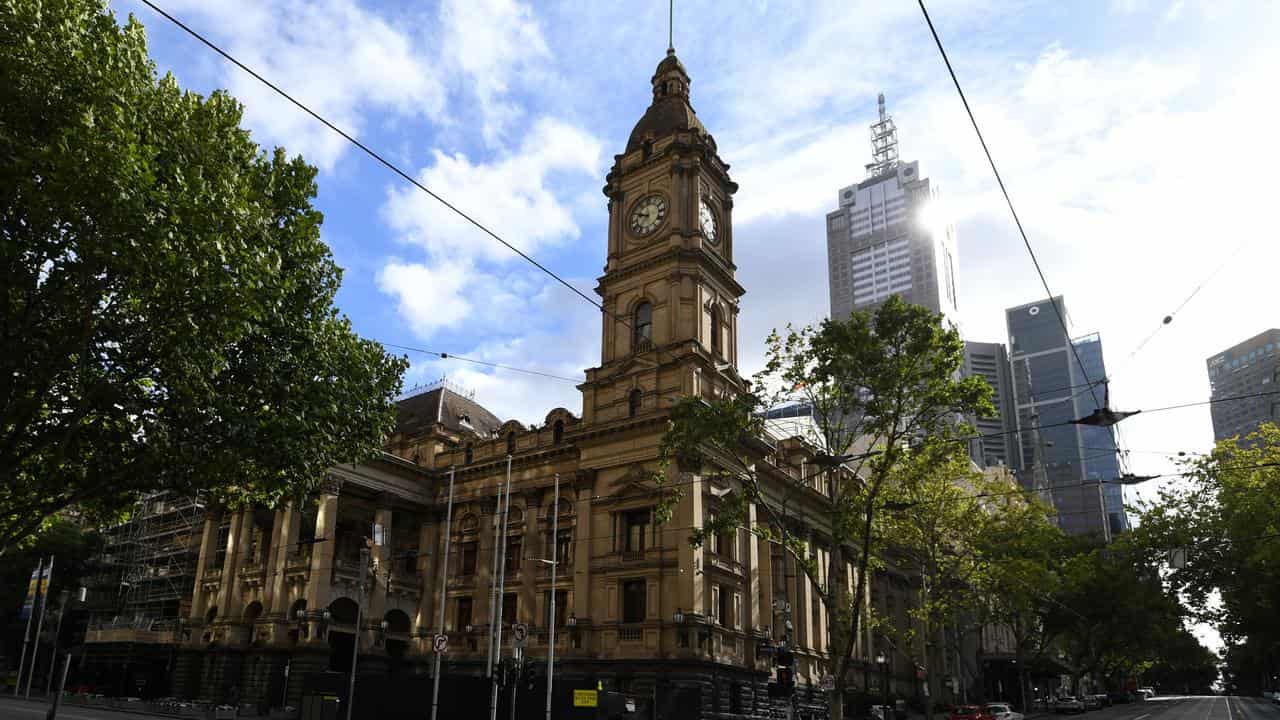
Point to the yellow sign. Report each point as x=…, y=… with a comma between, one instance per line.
x=586, y=698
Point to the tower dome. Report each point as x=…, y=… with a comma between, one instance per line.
x=670, y=110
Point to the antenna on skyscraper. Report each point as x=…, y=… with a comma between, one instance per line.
x=884, y=143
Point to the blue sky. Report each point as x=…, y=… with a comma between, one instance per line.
x=1137, y=138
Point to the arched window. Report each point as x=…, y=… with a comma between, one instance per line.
x=468, y=455
x=633, y=403
x=717, y=347
x=642, y=328
x=557, y=432
x=511, y=443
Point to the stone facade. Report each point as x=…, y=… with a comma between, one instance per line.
x=640, y=610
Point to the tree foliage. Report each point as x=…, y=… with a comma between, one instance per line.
x=885, y=397
x=166, y=311
x=1224, y=521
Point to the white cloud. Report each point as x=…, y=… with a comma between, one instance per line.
x=467, y=280
x=493, y=42
x=339, y=58
x=571, y=344
x=514, y=195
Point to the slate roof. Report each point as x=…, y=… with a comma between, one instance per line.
x=457, y=413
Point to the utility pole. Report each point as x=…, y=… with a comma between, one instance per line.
x=63, y=596
x=355, y=644
x=493, y=582
x=62, y=683
x=35, y=646
x=555, y=570
x=444, y=594
x=495, y=633
x=26, y=634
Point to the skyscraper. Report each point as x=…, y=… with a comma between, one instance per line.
x=997, y=442
x=881, y=241
x=1054, y=380
x=1249, y=368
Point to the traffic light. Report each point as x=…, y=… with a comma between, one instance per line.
x=785, y=660
x=786, y=681
x=506, y=672
x=529, y=676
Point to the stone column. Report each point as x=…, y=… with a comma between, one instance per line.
x=691, y=594
x=208, y=539
x=275, y=600
x=534, y=547
x=323, y=551
x=584, y=485
x=430, y=557
x=243, y=559
x=751, y=566
x=230, y=566
x=800, y=612
x=382, y=556
x=819, y=629
x=489, y=510
x=764, y=593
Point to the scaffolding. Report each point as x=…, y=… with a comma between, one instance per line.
x=148, y=565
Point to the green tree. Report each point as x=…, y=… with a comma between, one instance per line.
x=881, y=386
x=1122, y=615
x=1022, y=553
x=1218, y=536
x=935, y=516
x=166, y=310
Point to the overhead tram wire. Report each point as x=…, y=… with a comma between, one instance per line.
x=376, y=156
x=1008, y=201
x=512, y=368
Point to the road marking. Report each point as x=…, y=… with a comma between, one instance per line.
x=1142, y=716
x=1227, y=700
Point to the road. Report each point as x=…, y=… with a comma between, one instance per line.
x=1188, y=708
x=1164, y=708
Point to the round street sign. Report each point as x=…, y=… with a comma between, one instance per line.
x=520, y=632
x=440, y=642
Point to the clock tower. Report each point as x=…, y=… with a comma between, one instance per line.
x=670, y=320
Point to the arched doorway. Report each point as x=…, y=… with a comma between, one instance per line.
x=252, y=612
x=342, y=629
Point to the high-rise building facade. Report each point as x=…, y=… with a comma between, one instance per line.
x=1056, y=379
x=996, y=444
x=882, y=240
x=1249, y=368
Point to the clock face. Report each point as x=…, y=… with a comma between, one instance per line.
x=707, y=222
x=648, y=214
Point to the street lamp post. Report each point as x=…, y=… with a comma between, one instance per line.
x=883, y=661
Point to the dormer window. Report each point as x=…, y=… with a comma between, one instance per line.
x=511, y=443
x=557, y=432
x=468, y=455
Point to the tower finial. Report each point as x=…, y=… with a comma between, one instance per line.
x=671, y=22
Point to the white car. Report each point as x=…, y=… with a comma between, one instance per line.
x=1001, y=711
x=1067, y=703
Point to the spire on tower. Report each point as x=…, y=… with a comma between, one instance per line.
x=671, y=25
x=884, y=143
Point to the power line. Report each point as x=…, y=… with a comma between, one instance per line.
x=1195, y=291
x=512, y=368
x=373, y=154
x=1004, y=191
